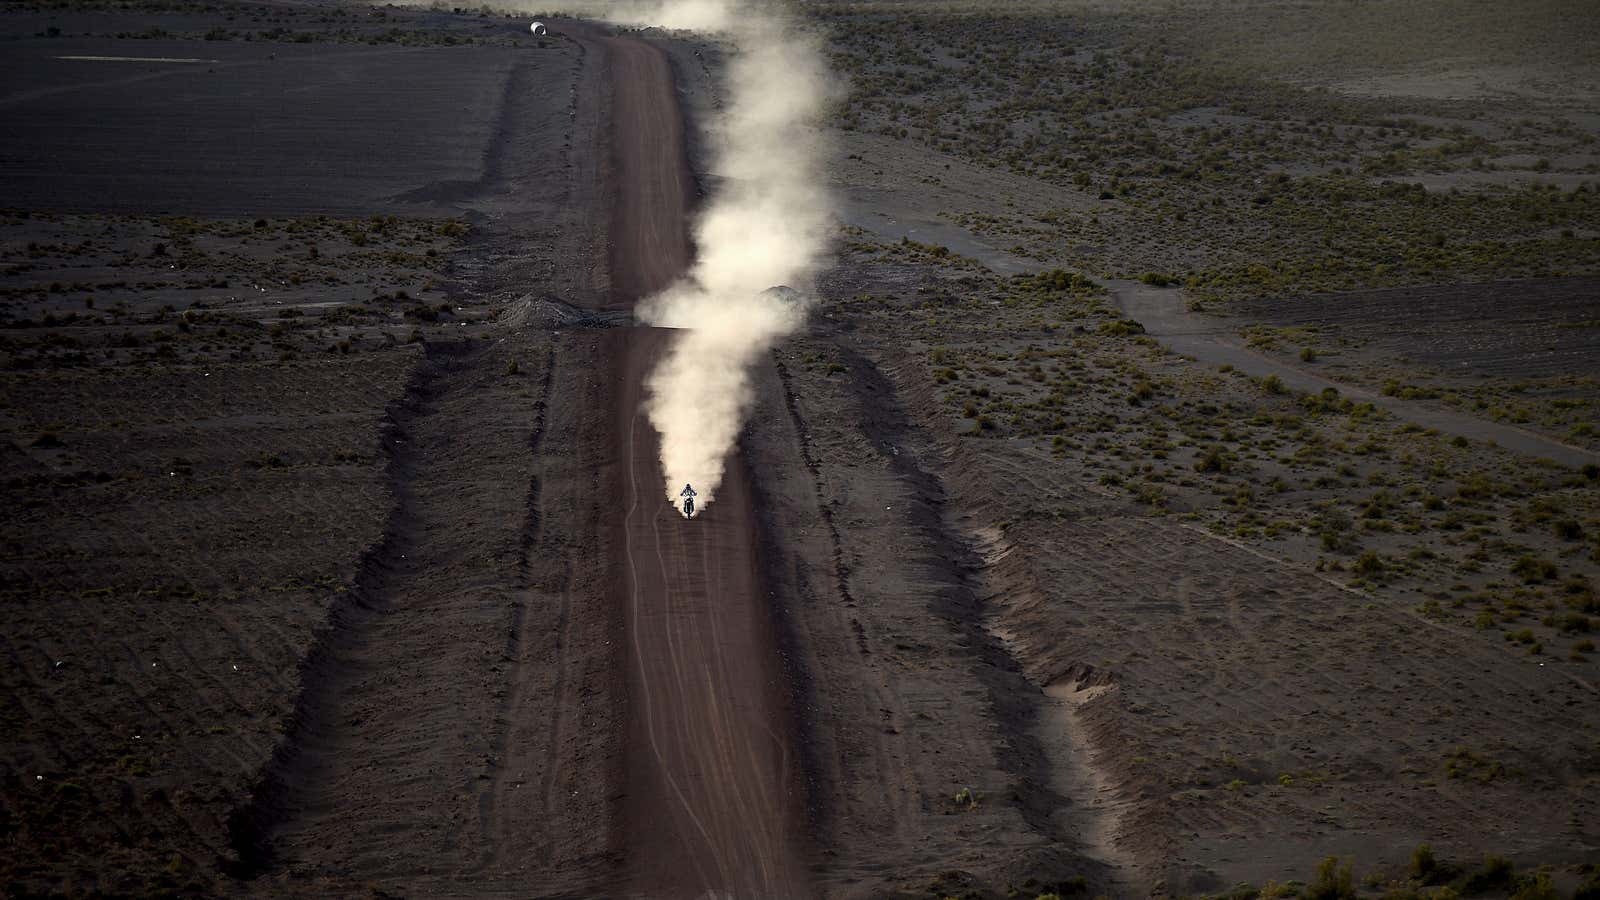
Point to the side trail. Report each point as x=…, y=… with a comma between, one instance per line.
x=445, y=728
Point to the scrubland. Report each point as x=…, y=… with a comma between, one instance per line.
x=1398, y=200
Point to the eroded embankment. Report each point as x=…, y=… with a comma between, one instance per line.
x=1081, y=782
x=273, y=800
x=1244, y=716
x=963, y=600
x=1075, y=723
x=922, y=731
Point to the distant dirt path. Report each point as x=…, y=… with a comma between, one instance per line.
x=1209, y=340
x=649, y=223
x=714, y=800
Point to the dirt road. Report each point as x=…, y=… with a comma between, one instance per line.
x=649, y=221
x=544, y=681
x=713, y=785
x=713, y=801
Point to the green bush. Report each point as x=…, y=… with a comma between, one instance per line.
x=1570, y=622
x=1333, y=882
x=1428, y=869
x=1424, y=865
x=1213, y=460
x=1539, y=886
x=1568, y=530
x=1369, y=565
x=1497, y=874
x=1532, y=569
x=1121, y=328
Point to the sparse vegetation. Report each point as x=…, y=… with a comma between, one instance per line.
x=1290, y=537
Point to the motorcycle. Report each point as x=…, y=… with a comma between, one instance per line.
x=688, y=494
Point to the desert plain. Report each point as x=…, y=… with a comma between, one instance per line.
x=1187, y=482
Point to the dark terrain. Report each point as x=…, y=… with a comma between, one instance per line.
x=1187, y=485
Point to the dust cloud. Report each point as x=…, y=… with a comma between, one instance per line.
x=766, y=226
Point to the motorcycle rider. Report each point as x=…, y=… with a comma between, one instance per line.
x=688, y=494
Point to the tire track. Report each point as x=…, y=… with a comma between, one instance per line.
x=841, y=571
x=710, y=707
x=492, y=798
x=647, y=702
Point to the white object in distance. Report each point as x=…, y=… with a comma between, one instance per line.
x=538, y=28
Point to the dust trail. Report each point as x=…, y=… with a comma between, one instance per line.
x=765, y=227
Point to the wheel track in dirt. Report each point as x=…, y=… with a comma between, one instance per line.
x=1211, y=341
x=841, y=571
x=896, y=817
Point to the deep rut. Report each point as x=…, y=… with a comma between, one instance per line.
x=401, y=731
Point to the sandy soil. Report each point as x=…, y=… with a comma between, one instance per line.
x=714, y=801
x=402, y=735
x=148, y=678
x=650, y=237
x=1208, y=712
x=1216, y=340
x=201, y=151
x=908, y=700
x=1515, y=329
x=307, y=391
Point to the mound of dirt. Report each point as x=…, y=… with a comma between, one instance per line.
x=546, y=311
